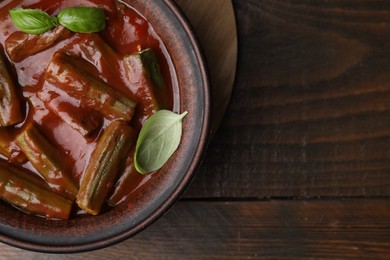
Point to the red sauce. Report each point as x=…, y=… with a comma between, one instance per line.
x=127, y=32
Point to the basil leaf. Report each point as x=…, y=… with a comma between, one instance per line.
x=158, y=140
x=83, y=19
x=32, y=20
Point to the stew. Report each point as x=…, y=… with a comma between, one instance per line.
x=72, y=105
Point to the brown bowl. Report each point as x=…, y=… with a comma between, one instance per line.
x=86, y=232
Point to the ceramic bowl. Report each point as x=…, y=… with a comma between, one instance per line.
x=86, y=232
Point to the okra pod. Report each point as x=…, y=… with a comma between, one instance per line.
x=5, y=142
x=125, y=181
x=10, y=106
x=76, y=118
x=47, y=160
x=8, y=148
x=144, y=74
x=21, y=45
x=106, y=160
x=31, y=194
x=152, y=67
x=71, y=74
x=97, y=52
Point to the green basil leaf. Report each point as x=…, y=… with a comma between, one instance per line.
x=158, y=140
x=32, y=20
x=83, y=19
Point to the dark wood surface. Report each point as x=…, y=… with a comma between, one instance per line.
x=310, y=108
x=215, y=25
x=333, y=229
x=300, y=167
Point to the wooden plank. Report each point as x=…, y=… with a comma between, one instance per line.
x=315, y=229
x=215, y=25
x=310, y=109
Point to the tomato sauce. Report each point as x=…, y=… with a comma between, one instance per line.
x=127, y=32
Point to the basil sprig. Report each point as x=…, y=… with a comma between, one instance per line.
x=83, y=19
x=77, y=19
x=158, y=140
x=32, y=20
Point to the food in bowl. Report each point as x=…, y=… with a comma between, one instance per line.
x=86, y=105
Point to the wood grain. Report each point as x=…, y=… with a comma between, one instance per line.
x=321, y=229
x=310, y=109
x=215, y=25
x=309, y=117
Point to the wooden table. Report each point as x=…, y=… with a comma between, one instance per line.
x=300, y=167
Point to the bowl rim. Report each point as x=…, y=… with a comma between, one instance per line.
x=187, y=176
